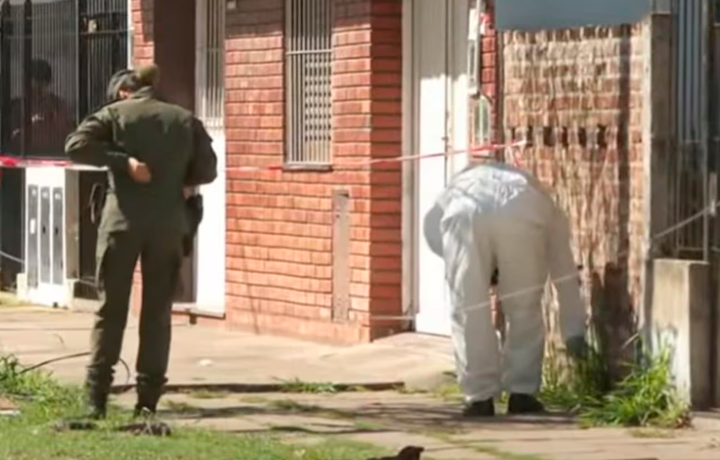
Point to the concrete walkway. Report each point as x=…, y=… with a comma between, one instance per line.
x=212, y=356
x=204, y=356
x=394, y=420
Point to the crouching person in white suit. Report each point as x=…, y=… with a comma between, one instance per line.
x=495, y=216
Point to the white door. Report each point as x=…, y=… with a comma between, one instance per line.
x=210, y=108
x=441, y=123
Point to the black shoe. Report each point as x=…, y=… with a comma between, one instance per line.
x=88, y=422
x=144, y=410
x=97, y=413
x=524, y=404
x=480, y=409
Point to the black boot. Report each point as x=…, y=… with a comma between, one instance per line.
x=480, y=409
x=149, y=392
x=97, y=390
x=97, y=410
x=144, y=409
x=524, y=404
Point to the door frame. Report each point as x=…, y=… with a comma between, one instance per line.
x=457, y=135
x=209, y=297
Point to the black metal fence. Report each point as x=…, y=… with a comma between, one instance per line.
x=56, y=57
x=693, y=84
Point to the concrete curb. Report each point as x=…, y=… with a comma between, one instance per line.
x=261, y=387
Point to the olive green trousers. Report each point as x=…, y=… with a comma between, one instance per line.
x=160, y=255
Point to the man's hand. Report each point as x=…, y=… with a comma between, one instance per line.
x=139, y=172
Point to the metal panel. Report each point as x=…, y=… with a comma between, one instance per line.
x=341, y=256
x=32, y=238
x=45, y=229
x=309, y=82
x=58, y=227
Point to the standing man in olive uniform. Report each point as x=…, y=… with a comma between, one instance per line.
x=153, y=151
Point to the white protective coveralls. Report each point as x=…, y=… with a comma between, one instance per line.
x=497, y=216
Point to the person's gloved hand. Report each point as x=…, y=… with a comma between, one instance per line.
x=577, y=347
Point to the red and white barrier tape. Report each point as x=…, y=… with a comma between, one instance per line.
x=14, y=162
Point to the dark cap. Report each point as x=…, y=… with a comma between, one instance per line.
x=40, y=71
x=119, y=80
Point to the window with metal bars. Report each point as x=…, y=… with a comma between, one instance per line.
x=308, y=86
x=210, y=70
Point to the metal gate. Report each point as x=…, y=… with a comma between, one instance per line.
x=694, y=152
x=56, y=57
x=691, y=158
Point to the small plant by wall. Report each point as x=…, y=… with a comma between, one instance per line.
x=647, y=396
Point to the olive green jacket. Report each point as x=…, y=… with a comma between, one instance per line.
x=169, y=139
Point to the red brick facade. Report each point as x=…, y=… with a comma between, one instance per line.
x=488, y=74
x=142, y=24
x=280, y=224
x=577, y=97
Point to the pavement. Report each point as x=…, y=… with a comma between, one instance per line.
x=393, y=420
x=210, y=356
x=241, y=382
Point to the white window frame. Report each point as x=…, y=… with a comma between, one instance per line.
x=308, y=83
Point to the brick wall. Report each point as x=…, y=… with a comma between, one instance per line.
x=280, y=245
x=577, y=96
x=142, y=54
x=488, y=74
x=142, y=20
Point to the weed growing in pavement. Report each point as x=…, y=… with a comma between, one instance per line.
x=646, y=397
x=208, y=394
x=298, y=386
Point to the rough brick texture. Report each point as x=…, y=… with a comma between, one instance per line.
x=142, y=54
x=280, y=246
x=142, y=20
x=488, y=75
x=576, y=95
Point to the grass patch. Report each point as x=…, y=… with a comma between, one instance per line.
x=208, y=394
x=43, y=401
x=647, y=397
x=294, y=406
x=449, y=391
x=651, y=433
x=298, y=386
x=484, y=448
x=366, y=425
x=505, y=455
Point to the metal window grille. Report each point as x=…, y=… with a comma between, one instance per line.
x=689, y=92
x=308, y=44
x=210, y=52
x=82, y=42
